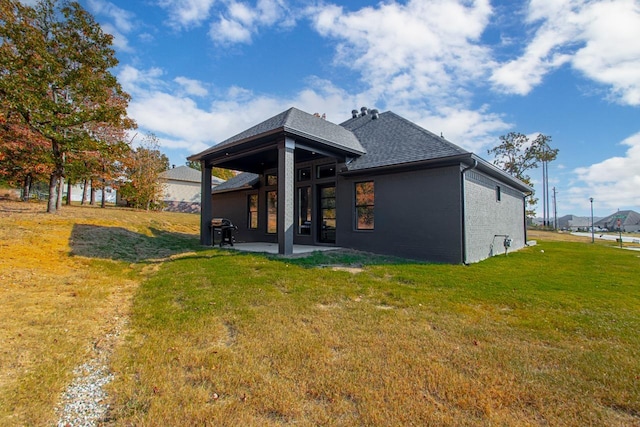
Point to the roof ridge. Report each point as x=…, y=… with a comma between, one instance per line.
x=427, y=131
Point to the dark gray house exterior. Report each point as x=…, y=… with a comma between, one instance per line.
x=376, y=182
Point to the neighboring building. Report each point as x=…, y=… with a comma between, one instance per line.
x=574, y=223
x=78, y=190
x=627, y=221
x=182, y=190
x=377, y=183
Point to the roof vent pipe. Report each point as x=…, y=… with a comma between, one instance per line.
x=375, y=114
x=354, y=114
x=364, y=111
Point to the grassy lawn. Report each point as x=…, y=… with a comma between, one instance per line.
x=544, y=336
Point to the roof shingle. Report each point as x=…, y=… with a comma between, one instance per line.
x=393, y=140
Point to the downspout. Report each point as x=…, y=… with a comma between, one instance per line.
x=524, y=210
x=464, y=203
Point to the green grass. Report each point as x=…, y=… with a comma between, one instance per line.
x=532, y=338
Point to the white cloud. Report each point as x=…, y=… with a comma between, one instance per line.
x=192, y=87
x=470, y=129
x=420, y=59
x=120, y=41
x=229, y=31
x=241, y=20
x=122, y=19
x=187, y=13
x=418, y=49
x=121, y=22
x=614, y=183
x=598, y=39
x=138, y=82
x=179, y=122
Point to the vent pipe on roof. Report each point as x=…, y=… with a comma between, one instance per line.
x=375, y=114
x=364, y=111
x=354, y=114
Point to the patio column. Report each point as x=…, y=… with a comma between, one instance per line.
x=206, y=205
x=286, y=172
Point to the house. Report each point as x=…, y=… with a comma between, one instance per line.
x=78, y=192
x=182, y=190
x=627, y=221
x=376, y=182
x=574, y=223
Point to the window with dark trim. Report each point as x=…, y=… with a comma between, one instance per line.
x=304, y=211
x=253, y=211
x=364, y=204
x=271, y=179
x=272, y=212
x=304, y=174
x=325, y=171
x=498, y=193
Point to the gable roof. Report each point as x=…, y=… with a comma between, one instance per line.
x=627, y=218
x=298, y=123
x=182, y=173
x=393, y=140
x=187, y=174
x=372, y=141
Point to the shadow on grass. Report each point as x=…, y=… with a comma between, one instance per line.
x=120, y=244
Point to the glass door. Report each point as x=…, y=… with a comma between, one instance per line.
x=327, y=213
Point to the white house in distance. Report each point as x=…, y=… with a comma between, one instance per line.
x=182, y=189
x=78, y=190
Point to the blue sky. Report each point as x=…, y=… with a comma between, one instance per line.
x=200, y=71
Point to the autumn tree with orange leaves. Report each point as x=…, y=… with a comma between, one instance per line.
x=56, y=90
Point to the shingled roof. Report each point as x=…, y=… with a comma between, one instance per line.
x=241, y=181
x=393, y=140
x=298, y=123
x=373, y=140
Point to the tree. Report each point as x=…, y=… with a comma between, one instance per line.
x=142, y=167
x=55, y=79
x=516, y=154
x=24, y=157
x=219, y=172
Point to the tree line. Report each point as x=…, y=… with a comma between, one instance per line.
x=63, y=114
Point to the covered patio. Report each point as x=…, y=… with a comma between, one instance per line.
x=277, y=145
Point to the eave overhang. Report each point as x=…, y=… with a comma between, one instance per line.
x=464, y=160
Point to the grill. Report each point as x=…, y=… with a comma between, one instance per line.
x=224, y=228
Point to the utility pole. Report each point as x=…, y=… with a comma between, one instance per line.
x=592, y=236
x=545, y=186
x=555, y=210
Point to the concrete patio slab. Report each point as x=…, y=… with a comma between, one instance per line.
x=272, y=248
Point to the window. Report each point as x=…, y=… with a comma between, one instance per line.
x=304, y=211
x=304, y=174
x=498, y=193
x=253, y=211
x=272, y=212
x=364, y=205
x=325, y=171
x=271, y=179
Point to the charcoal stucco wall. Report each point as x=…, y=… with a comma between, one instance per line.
x=417, y=215
x=489, y=220
x=234, y=206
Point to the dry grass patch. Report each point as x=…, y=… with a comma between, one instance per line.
x=61, y=292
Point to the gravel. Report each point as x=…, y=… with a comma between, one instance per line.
x=84, y=403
